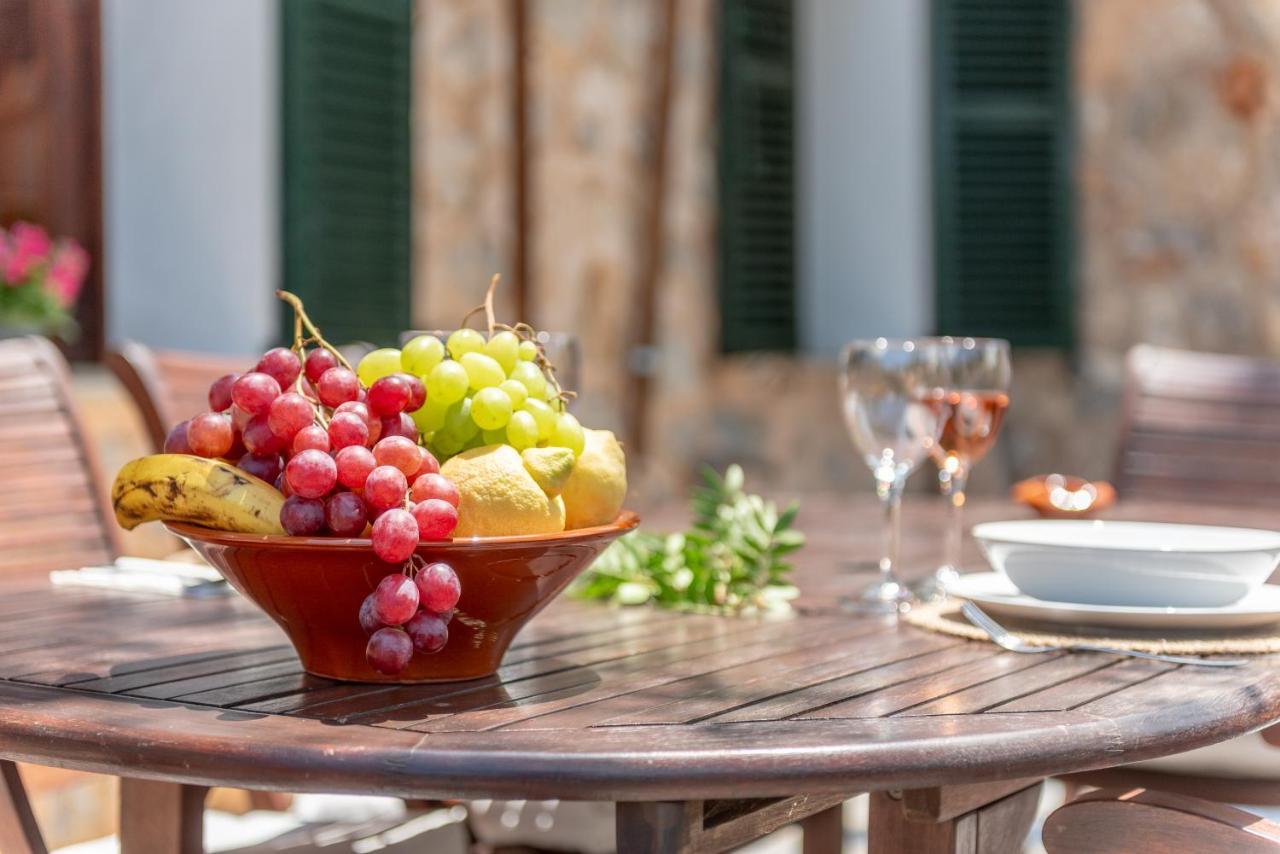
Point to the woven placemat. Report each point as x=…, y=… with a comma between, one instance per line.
x=945, y=617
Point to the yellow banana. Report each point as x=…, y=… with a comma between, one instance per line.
x=182, y=488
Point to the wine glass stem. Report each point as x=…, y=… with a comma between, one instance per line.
x=953, y=477
x=890, y=492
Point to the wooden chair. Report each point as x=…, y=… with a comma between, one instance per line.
x=169, y=385
x=54, y=512
x=1118, y=821
x=1200, y=427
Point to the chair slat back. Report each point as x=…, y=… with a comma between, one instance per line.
x=54, y=510
x=1200, y=427
x=169, y=385
x=1112, y=821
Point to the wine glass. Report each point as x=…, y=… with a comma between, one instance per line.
x=891, y=392
x=975, y=400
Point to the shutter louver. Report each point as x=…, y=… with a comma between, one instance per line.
x=1002, y=170
x=347, y=239
x=756, y=165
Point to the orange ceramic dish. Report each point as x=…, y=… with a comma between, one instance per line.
x=1034, y=492
x=313, y=586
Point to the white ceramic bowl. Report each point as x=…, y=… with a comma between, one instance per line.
x=1149, y=564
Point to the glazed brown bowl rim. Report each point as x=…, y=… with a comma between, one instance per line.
x=626, y=520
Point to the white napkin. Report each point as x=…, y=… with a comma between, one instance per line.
x=167, y=577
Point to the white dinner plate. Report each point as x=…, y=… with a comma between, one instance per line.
x=997, y=595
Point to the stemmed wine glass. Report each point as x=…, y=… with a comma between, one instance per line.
x=891, y=393
x=975, y=399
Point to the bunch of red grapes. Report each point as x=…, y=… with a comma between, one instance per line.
x=409, y=612
x=345, y=457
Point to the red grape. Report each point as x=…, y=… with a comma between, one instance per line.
x=311, y=474
x=345, y=515
x=220, y=392
x=399, y=452
x=389, y=651
x=375, y=431
x=355, y=406
x=428, y=632
x=318, y=361
x=438, y=588
x=346, y=429
x=313, y=436
x=354, y=464
x=399, y=425
x=253, y=392
x=395, y=536
x=289, y=413
x=258, y=438
x=337, y=385
x=238, y=449
x=417, y=392
x=389, y=395
x=395, y=599
x=436, y=519
x=176, y=441
x=263, y=468
x=302, y=517
x=283, y=485
x=434, y=486
x=281, y=364
x=210, y=434
x=385, y=487
x=428, y=465
x=240, y=418
x=368, y=619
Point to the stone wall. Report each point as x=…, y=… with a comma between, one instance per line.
x=1178, y=172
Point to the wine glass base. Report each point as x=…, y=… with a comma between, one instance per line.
x=934, y=588
x=884, y=597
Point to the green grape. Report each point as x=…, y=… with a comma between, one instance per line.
x=528, y=351
x=465, y=341
x=444, y=446
x=482, y=371
x=494, y=437
x=430, y=417
x=458, y=422
x=530, y=375
x=543, y=417
x=568, y=434
x=504, y=348
x=522, y=431
x=516, y=391
x=421, y=354
x=378, y=364
x=476, y=441
x=447, y=383
x=491, y=408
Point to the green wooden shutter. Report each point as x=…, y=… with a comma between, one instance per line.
x=756, y=177
x=346, y=146
x=1002, y=169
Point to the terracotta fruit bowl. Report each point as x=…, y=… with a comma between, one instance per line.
x=313, y=586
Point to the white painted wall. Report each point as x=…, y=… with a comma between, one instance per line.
x=191, y=176
x=864, y=194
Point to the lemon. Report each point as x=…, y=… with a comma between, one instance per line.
x=595, y=489
x=550, y=467
x=498, y=495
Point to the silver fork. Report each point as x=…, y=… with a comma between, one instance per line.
x=1004, y=638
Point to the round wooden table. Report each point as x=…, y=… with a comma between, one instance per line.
x=706, y=731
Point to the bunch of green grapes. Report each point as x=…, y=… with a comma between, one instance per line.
x=480, y=392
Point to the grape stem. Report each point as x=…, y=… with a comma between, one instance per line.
x=301, y=321
x=523, y=331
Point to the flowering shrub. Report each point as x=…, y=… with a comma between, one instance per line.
x=39, y=278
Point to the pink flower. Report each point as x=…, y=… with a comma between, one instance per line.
x=29, y=246
x=67, y=272
x=4, y=260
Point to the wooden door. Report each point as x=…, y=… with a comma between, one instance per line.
x=50, y=134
